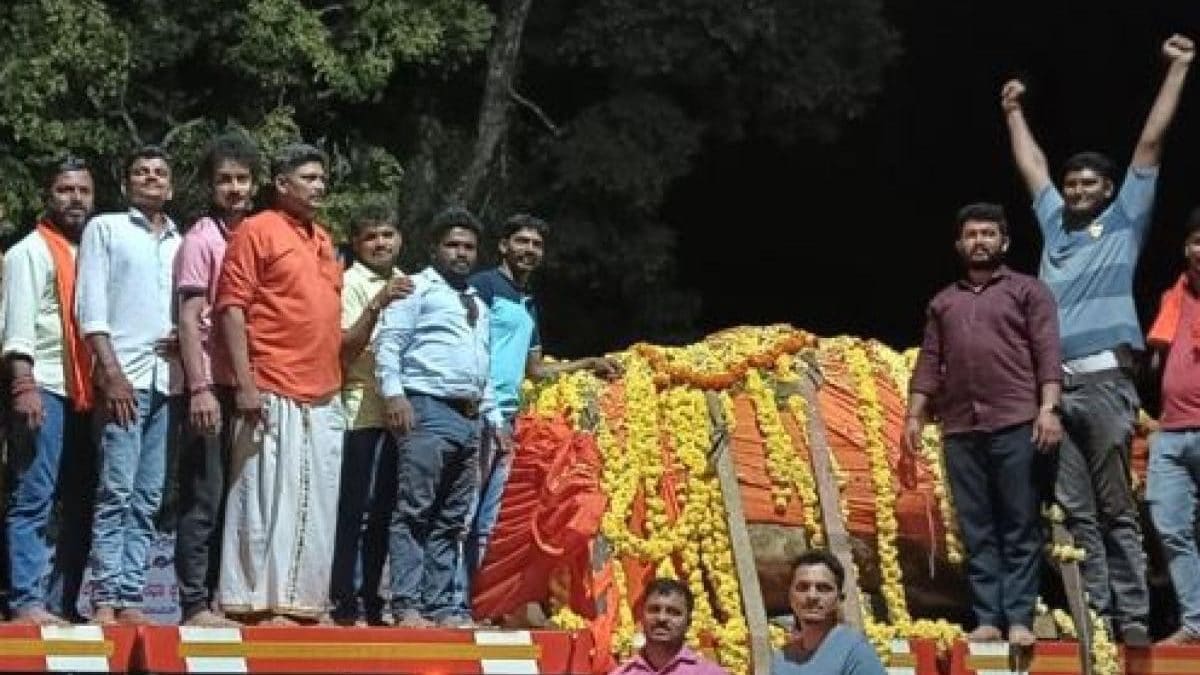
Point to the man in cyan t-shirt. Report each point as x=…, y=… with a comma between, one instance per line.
x=1090, y=251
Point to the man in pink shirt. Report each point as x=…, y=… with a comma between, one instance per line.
x=666, y=615
x=229, y=165
x=1174, y=470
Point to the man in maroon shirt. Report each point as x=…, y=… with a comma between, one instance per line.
x=990, y=371
x=1174, y=470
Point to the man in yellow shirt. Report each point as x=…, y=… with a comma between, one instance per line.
x=368, y=488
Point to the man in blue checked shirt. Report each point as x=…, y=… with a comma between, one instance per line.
x=432, y=363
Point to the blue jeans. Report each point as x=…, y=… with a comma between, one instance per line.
x=494, y=467
x=437, y=478
x=54, y=460
x=132, y=473
x=1171, y=481
x=366, y=499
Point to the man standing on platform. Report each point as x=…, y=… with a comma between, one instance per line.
x=51, y=453
x=431, y=360
x=990, y=362
x=666, y=615
x=229, y=165
x=124, y=298
x=278, y=309
x=368, y=490
x=1090, y=252
x=1173, y=475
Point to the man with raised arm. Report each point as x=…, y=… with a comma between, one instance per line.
x=1091, y=246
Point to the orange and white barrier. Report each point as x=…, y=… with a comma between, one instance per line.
x=995, y=658
x=1162, y=661
x=66, y=649
x=343, y=651
x=912, y=657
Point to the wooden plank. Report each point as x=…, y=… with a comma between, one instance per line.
x=739, y=540
x=1076, y=599
x=836, y=534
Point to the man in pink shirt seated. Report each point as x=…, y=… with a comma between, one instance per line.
x=666, y=615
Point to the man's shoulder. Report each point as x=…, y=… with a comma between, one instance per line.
x=30, y=246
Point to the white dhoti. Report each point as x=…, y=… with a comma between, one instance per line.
x=281, y=516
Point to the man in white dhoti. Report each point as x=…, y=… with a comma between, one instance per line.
x=279, y=311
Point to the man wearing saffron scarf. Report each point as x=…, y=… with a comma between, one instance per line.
x=1174, y=469
x=49, y=444
x=279, y=311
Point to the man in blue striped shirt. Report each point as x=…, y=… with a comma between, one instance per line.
x=432, y=363
x=1091, y=246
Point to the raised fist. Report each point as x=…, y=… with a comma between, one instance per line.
x=1010, y=95
x=1179, y=49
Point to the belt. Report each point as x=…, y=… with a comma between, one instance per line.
x=1074, y=380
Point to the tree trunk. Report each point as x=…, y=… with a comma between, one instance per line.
x=497, y=101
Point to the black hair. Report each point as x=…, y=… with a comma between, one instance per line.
x=145, y=152
x=234, y=147
x=981, y=211
x=1095, y=161
x=66, y=164
x=664, y=586
x=294, y=155
x=523, y=221
x=1192, y=224
x=820, y=556
x=450, y=218
x=371, y=212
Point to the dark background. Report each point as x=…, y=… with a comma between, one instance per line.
x=854, y=237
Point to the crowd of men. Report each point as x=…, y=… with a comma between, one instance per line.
x=330, y=418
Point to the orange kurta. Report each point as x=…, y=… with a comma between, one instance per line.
x=287, y=280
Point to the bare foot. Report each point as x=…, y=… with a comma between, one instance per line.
x=38, y=616
x=412, y=619
x=985, y=633
x=210, y=619
x=104, y=616
x=279, y=620
x=1020, y=636
x=132, y=616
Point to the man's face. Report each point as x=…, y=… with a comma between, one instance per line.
x=456, y=252
x=1085, y=191
x=302, y=190
x=665, y=618
x=233, y=186
x=1191, y=253
x=71, y=200
x=523, y=250
x=377, y=245
x=814, y=595
x=981, y=244
x=148, y=184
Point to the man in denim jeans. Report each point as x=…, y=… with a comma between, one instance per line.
x=516, y=353
x=431, y=360
x=124, y=296
x=51, y=453
x=1174, y=470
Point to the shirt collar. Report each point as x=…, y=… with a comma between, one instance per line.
x=685, y=655
x=138, y=218
x=1001, y=273
x=435, y=277
x=370, y=274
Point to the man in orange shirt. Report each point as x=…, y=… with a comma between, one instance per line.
x=279, y=309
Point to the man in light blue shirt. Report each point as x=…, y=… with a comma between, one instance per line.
x=1091, y=246
x=432, y=363
x=123, y=306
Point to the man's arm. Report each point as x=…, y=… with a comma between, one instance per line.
x=1042, y=315
x=233, y=329
x=926, y=381
x=23, y=286
x=91, y=310
x=358, y=335
x=237, y=288
x=114, y=386
x=537, y=368
x=397, y=326
x=1031, y=161
x=1179, y=51
x=203, y=409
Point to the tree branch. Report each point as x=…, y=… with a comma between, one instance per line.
x=535, y=109
x=180, y=128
